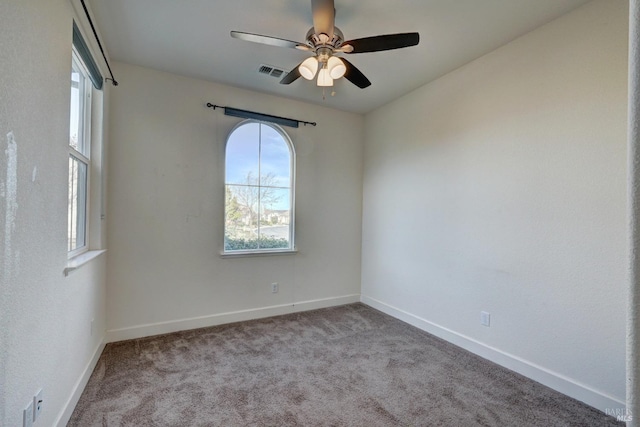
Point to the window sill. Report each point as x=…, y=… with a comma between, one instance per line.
x=244, y=254
x=78, y=261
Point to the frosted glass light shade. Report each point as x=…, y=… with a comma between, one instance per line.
x=324, y=78
x=336, y=67
x=308, y=68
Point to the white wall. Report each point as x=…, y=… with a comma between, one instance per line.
x=45, y=317
x=499, y=187
x=166, y=208
x=502, y=187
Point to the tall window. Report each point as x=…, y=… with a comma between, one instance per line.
x=79, y=156
x=259, y=189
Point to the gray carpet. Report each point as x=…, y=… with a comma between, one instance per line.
x=342, y=366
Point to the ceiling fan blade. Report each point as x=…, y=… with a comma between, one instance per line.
x=272, y=41
x=355, y=76
x=291, y=77
x=324, y=15
x=379, y=43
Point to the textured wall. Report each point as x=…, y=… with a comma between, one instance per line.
x=633, y=310
x=166, y=205
x=45, y=318
x=502, y=187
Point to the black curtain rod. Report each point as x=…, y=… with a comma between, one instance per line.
x=95, y=33
x=235, y=112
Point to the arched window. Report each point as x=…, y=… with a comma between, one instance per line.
x=259, y=185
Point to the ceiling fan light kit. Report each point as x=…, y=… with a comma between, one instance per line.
x=308, y=68
x=336, y=67
x=331, y=70
x=324, y=79
x=325, y=41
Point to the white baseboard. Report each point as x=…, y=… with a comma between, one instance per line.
x=78, y=388
x=530, y=370
x=141, y=331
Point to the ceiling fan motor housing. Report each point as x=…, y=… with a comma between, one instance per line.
x=317, y=41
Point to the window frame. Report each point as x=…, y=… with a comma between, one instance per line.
x=83, y=156
x=291, y=249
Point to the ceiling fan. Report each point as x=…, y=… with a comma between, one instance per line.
x=325, y=41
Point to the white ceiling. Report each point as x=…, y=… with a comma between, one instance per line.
x=191, y=38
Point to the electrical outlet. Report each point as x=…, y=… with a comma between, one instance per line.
x=27, y=415
x=37, y=405
x=274, y=288
x=485, y=318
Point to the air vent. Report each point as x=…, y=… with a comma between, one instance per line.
x=265, y=69
x=271, y=71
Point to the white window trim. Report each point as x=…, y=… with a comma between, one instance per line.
x=79, y=260
x=94, y=214
x=263, y=252
x=292, y=249
x=85, y=158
